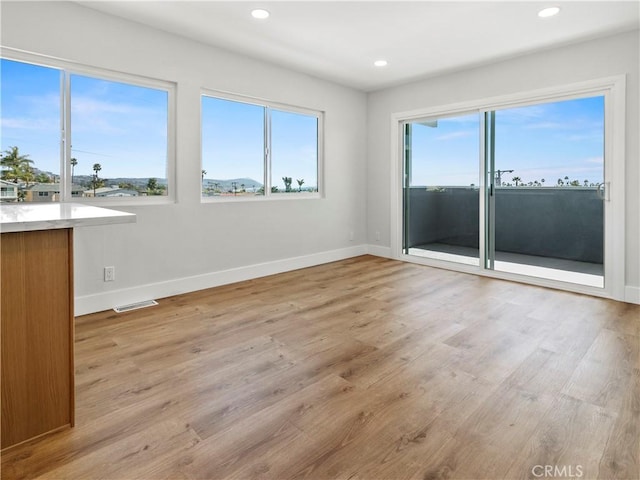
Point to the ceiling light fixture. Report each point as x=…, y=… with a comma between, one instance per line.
x=260, y=13
x=548, y=12
x=380, y=63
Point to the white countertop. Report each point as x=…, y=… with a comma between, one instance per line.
x=25, y=217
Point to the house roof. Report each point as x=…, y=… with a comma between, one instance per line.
x=102, y=190
x=52, y=187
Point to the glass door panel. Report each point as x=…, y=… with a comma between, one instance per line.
x=441, y=189
x=545, y=171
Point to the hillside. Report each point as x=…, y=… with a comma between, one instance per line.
x=226, y=185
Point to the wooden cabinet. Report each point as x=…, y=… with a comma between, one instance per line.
x=36, y=314
x=36, y=319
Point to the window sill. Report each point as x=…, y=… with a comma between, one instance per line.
x=125, y=201
x=261, y=198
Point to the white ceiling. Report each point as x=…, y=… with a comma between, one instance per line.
x=339, y=40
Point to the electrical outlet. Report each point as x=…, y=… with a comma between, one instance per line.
x=351, y=236
x=109, y=274
x=377, y=236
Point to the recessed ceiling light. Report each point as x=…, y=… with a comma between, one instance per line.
x=260, y=13
x=549, y=12
x=380, y=63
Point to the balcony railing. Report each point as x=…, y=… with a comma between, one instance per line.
x=555, y=222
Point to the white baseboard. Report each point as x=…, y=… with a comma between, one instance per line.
x=379, y=251
x=107, y=300
x=632, y=294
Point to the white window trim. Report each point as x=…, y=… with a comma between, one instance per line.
x=267, y=104
x=68, y=68
x=613, y=88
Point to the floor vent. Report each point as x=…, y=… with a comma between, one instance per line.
x=135, y=306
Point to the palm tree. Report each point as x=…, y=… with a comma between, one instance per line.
x=28, y=175
x=152, y=186
x=560, y=182
x=204, y=172
x=287, y=183
x=242, y=188
x=43, y=178
x=215, y=186
x=73, y=162
x=300, y=183
x=17, y=167
x=96, y=168
x=516, y=180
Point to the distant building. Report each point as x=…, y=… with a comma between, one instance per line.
x=49, y=192
x=111, y=192
x=8, y=191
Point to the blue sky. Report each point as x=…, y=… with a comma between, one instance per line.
x=233, y=143
x=549, y=141
x=124, y=129
x=31, y=112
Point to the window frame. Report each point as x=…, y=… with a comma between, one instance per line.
x=67, y=69
x=268, y=106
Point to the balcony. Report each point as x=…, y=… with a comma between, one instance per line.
x=558, y=229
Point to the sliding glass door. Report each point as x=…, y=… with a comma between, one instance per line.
x=441, y=189
x=546, y=173
x=539, y=208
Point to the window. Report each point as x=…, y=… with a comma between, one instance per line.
x=84, y=133
x=118, y=136
x=294, y=152
x=252, y=150
x=232, y=148
x=30, y=131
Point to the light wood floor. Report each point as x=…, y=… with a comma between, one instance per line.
x=361, y=369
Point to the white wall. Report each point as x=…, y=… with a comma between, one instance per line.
x=189, y=245
x=595, y=59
